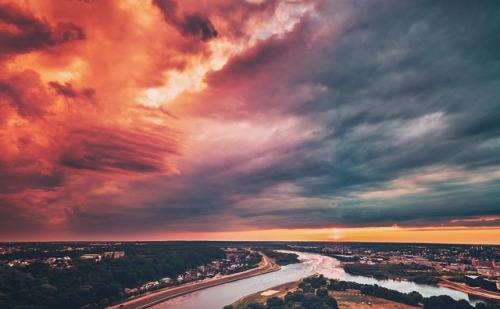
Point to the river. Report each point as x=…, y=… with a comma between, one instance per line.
x=225, y=294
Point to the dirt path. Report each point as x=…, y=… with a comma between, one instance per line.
x=156, y=297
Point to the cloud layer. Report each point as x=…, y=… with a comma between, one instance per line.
x=168, y=117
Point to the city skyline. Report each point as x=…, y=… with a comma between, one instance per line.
x=250, y=120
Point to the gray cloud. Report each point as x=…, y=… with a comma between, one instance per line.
x=401, y=89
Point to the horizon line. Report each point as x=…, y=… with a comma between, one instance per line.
x=265, y=241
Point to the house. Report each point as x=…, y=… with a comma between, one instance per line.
x=472, y=280
x=113, y=255
x=478, y=281
x=490, y=285
x=93, y=257
x=483, y=263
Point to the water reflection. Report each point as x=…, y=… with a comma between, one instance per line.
x=219, y=296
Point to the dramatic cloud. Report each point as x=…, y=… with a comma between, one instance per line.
x=25, y=93
x=24, y=32
x=167, y=117
x=195, y=25
x=67, y=90
x=109, y=150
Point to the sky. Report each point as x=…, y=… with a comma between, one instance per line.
x=250, y=120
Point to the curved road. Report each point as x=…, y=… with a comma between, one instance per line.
x=153, y=298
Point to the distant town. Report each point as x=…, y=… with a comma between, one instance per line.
x=235, y=260
x=475, y=265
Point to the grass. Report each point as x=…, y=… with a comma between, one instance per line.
x=354, y=299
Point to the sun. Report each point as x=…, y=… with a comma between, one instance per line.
x=336, y=234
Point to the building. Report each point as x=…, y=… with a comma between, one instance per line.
x=113, y=255
x=483, y=263
x=484, y=283
x=474, y=281
x=93, y=257
x=490, y=285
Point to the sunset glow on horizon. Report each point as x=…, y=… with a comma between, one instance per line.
x=249, y=120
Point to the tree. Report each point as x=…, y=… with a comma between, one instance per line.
x=438, y=302
x=322, y=293
x=275, y=302
x=256, y=306
x=415, y=298
x=296, y=296
x=367, y=290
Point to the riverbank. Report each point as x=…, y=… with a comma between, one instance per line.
x=156, y=297
x=219, y=296
x=349, y=299
x=262, y=296
x=462, y=287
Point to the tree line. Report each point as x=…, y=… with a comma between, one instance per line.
x=281, y=258
x=413, y=272
x=412, y=298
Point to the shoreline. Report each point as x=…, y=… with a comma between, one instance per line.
x=280, y=292
x=480, y=293
x=350, y=298
x=153, y=298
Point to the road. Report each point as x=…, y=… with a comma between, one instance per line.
x=470, y=290
x=149, y=299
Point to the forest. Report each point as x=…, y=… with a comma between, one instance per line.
x=92, y=284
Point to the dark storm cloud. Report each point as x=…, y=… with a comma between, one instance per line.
x=256, y=59
x=14, y=222
x=24, y=92
x=32, y=33
x=104, y=149
x=168, y=204
x=404, y=88
x=195, y=25
x=67, y=90
x=27, y=176
x=437, y=207
x=398, y=63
